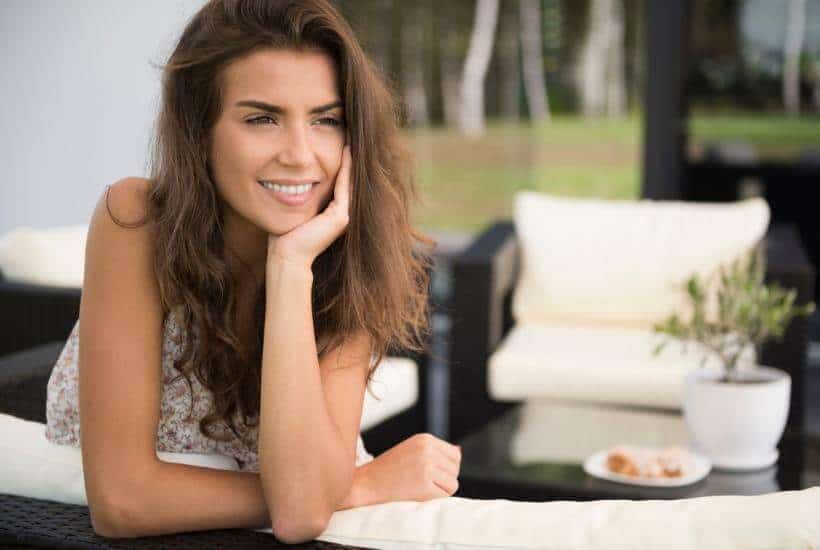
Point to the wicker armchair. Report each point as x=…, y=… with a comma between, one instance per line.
x=484, y=278
x=33, y=314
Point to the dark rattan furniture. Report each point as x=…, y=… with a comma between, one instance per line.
x=33, y=314
x=34, y=523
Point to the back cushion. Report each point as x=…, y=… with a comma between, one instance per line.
x=624, y=262
x=52, y=256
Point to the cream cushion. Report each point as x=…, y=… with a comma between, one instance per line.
x=393, y=389
x=31, y=465
x=34, y=467
x=622, y=262
x=51, y=256
x=597, y=364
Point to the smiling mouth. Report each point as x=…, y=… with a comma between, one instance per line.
x=293, y=190
x=289, y=195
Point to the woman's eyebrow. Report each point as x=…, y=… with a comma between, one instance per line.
x=278, y=110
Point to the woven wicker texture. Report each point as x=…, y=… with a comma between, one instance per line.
x=34, y=523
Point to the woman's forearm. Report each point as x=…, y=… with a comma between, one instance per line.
x=302, y=459
x=362, y=492
x=173, y=498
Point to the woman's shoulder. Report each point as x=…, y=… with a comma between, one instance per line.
x=121, y=250
x=119, y=228
x=126, y=199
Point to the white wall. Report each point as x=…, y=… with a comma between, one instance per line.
x=78, y=95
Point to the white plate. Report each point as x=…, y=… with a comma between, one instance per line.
x=595, y=466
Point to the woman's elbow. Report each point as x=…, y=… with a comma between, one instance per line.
x=296, y=530
x=114, y=520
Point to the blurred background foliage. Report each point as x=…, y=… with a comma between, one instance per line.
x=503, y=95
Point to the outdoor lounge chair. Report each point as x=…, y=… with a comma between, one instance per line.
x=485, y=276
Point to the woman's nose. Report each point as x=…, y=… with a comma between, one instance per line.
x=295, y=149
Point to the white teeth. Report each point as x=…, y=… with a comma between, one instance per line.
x=288, y=189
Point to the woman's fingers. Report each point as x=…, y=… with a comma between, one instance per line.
x=453, y=452
x=448, y=466
x=444, y=481
x=341, y=192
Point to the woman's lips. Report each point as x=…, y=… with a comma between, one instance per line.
x=287, y=198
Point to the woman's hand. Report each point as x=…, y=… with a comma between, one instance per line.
x=420, y=468
x=305, y=242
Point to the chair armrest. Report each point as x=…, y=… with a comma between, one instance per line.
x=24, y=378
x=35, y=314
x=787, y=264
x=484, y=276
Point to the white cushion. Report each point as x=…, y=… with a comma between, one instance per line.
x=623, y=262
x=32, y=466
x=395, y=383
x=778, y=520
x=53, y=256
x=594, y=364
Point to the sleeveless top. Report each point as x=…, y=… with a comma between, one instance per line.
x=176, y=432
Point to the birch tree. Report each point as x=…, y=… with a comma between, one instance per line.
x=451, y=40
x=795, y=28
x=471, y=113
x=509, y=85
x=379, y=14
x=532, y=59
x=601, y=79
x=412, y=62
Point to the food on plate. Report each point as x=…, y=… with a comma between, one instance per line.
x=648, y=462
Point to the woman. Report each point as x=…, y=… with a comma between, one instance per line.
x=274, y=229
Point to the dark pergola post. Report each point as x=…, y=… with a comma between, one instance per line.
x=665, y=132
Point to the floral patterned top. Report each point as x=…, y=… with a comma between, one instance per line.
x=176, y=432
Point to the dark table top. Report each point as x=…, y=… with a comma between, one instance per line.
x=536, y=452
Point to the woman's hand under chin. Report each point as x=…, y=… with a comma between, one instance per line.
x=305, y=242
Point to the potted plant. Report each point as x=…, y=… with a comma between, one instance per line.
x=735, y=410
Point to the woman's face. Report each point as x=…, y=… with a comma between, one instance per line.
x=277, y=145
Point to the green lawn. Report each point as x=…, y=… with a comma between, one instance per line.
x=466, y=183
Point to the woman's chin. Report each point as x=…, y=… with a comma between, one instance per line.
x=286, y=223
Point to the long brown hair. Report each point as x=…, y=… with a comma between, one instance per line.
x=374, y=277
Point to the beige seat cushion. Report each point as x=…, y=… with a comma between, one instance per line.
x=396, y=388
x=592, y=363
x=619, y=262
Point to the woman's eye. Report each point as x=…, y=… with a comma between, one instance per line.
x=331, y=121
x=262, y=120
x=257, y=120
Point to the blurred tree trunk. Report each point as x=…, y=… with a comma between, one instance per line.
x=601, y=72
x=414, y=21
x=616, y=69
x=795, y=29
x=380, y=31
x=471, y=112
x=638, y=45
x=509, y=69
x=451, y=36
x=532, y=59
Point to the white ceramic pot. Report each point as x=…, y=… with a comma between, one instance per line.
x=737, y=425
